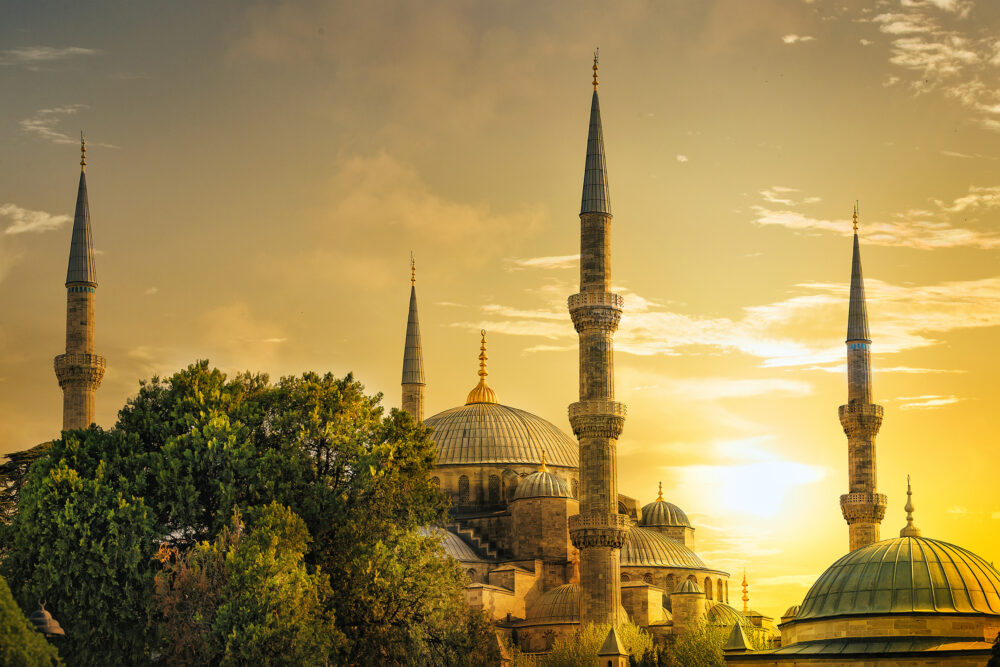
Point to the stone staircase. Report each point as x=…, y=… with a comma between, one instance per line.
x=470, y=536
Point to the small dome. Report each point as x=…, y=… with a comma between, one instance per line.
x=660, y=513
x=689, y=586
x=792, y=612
x=453, y=545
x=490, y=433
x=559, y=605
x=722, y=614
x=542, y=484
x=902, y=576
x=648, y=548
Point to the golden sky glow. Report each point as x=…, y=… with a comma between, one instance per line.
x=260, y=172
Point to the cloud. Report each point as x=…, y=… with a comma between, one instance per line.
x=33, y=55
x=552, y=262
x=916, y=228
x=710, y=388
x=929, y=401
x=43, y=124
x=26, y=221
x=682, y=158
x=238, y=338
x=866, y=42
x=968, y=156
x=796, y=39
x=958, y=511
x=152, y=290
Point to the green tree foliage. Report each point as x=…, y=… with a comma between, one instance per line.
x=700, y=646
x=581, y=647
x=247, y=597
x=191, y=450
x=20, y=644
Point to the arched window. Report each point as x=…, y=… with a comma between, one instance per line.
x=622, y=509
x=708, y=588
x=671, y=583
x=626, y=578
x=718, y=591
x=576, y=489
x=471, y=574
x=463, y=490
x=436, y=481
x=693, y=578
x=494, y=490
x=648, y=578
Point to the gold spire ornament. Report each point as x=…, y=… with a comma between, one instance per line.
x=659, y=495
x=909, y=530
x=482, y=393
x=746, y=596
x=413, y=270
x=83, y=151
x=596, y=51
x=855, y=217
x=543, y=468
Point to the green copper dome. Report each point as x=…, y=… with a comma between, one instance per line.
x=648, y=548
x=905, y=575
x=490, y=433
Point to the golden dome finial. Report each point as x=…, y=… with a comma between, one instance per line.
x=482, y=393
x=413, y=270
x=542, y=468
x=659, y=495
x=909, y=530
x=746, y=596
x=596, y=52
x=83, y=151
x=855, y=217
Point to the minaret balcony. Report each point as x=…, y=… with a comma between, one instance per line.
x=598, y=530
x=863, y=507
x=866, y=409
x=602, y=299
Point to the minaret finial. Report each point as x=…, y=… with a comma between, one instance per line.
x=542, y=468
x=855, y=216
x=596, y=52
x=83, y=151
x=909, y=530
x=413, y=270
x=746, y=595
x=659, y=495
x=482, y=393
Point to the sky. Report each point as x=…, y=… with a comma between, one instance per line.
x=259, y=173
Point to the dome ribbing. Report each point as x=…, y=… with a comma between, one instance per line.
x=647, y=548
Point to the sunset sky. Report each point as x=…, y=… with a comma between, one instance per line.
x=259, y=173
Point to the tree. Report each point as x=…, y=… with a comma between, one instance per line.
x=191, y=450
x=13, y=472
x=247, y=597
x=582, y=646
x=20, y=644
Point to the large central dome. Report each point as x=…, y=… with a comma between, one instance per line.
x=492, y=433
x=903, y=576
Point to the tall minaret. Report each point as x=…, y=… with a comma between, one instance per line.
x=598, y=531
x=413, y=356
x=80, y=370
x=863, y=508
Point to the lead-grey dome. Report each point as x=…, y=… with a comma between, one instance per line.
x=542, y=484
x=902, y=576
x=648, y=548
x=480, y=433
x=661, y=513
x=559, y=605
x=453, y=545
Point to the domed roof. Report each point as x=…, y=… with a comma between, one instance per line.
x=721, y=613
x=660, y=513
x=689, y=586
x=648, y=548
x=480, y=433
x=791, y=612
x=542, y=484
x=905, y=575
x=559, y=605
x=453, y=545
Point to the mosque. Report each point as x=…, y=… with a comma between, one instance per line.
x=548, y=542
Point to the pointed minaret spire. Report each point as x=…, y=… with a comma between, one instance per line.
x=413, y=356
x=746, y=594
x=909, y=530
x=598, y=531
x=79, y=370
x=863, y=507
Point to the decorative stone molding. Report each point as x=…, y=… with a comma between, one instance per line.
x=598, y=530
x=861, y=420
x=80, y=369
x=604, y=299
x=863, y=507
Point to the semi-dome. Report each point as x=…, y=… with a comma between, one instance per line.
x=721, y=613
x=902, y=576
x=648, y=548
x=453, y=545
x=560, y=605
x=660, y=513
x=542, y=484
x=689, y=586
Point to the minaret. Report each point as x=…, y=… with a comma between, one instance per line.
x=598, y=531
x=746, y=593
x=863, y=508
x=80, y=370
x=413, y=356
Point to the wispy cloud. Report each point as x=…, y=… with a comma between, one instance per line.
x=681, y=158
x=926, y=402
x=45, y=121
x=797, y=39
x=35, y=55
x=24, y=221
x=552, y=262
